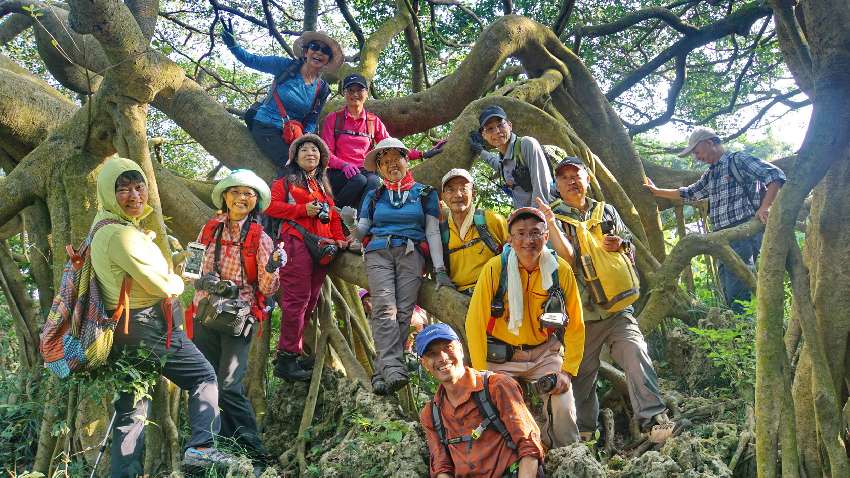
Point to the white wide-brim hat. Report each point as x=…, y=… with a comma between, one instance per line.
x=243, y=177
x=335, y=62
x=371, y=161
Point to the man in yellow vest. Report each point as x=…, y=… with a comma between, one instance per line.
x=471, y=237
x=524, y=320
x=607, y=322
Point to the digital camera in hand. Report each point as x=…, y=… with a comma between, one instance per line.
x=324, y=214
x=607, y=227
x=545, y=384
x=214, y=285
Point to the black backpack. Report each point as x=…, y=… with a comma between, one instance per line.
x=491, y=419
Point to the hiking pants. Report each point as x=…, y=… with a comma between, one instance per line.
x=270, y=142
x=559, y=417
x=229, y=357
x=733, y=287
x=628, y=348
x=395, y=275
x=350, y=192
x=300, y=284
x=182, y=363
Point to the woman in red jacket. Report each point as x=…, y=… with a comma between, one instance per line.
x=302, y=196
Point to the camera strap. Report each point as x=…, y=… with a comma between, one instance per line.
x=217, y=238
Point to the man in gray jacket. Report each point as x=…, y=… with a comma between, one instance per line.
x=521, y=162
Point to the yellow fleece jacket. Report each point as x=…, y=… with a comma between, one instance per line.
x=530, y=332
x=124, y=248
x=465, y=264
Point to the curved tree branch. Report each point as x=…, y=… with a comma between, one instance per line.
x=352, y=24
x=270, y=24
x=672, y=99
x=13, y=26
x=627, y=21
x=738, y=22
x=564, y=15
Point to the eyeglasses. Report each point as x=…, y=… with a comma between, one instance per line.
x=354, y=90
x=316, y=46
x=242, y=194
x=533, y=236
x=503, y=126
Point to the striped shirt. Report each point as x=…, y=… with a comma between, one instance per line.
x=729, y=202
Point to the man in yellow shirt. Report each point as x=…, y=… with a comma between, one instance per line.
x=470, y=237
x=525, y=320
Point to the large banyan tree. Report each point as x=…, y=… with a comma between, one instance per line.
x=106, y=52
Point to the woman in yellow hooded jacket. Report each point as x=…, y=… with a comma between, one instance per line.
x=150, y=340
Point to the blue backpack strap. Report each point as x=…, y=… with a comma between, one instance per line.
x=480, y=222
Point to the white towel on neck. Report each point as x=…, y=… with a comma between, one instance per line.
x=548, y=264
x=463, y=228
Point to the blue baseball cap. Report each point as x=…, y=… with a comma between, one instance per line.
x=431, y=333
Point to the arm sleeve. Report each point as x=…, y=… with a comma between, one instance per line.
x=538, y=167
x=761, y=170
x=440, y=460
x=280, y=208
x=435, y=242
x=328, y=137
x=574, y=333
x=271, y=64
x=336, y=222
x=479, y=313
x=507, y=398
x=268, y=282
x=696, y=191
x=143, y=262
x=491, y=159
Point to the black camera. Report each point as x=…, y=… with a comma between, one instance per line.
x=522, y=177
x=607, y=227
x=324, y=213
x=554, y=311
x=215, y=286
x=545, y=384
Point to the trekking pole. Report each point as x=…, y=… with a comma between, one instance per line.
x=103, y=444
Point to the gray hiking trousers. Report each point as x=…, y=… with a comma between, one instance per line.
x=395, y=275
x=229, y=356
x=182, y=363
x=628, y=348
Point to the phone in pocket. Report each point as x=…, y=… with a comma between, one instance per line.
x=192, y=269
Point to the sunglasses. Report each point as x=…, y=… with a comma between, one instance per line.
x=316, y=46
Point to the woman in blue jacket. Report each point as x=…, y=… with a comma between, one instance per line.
x=297, y=94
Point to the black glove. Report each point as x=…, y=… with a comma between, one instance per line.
x=227, y=35
x=275, y=264
x=437, y=149
x=476, y=142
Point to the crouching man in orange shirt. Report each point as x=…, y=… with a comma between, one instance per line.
x=477, y=425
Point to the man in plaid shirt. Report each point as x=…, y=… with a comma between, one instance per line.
x=738, y=186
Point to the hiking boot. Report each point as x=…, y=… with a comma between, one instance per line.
x=662, y=429
x=195, y=459
x=306, y=362
x=379, y=386
x=286, y=368
x=396, y=383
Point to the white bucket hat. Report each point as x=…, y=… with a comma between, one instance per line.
x=243, y=177
x=338, y=57
x=370, y=163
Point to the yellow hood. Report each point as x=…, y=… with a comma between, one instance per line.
x=108, y=207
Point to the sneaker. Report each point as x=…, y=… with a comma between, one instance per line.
x=207, y=458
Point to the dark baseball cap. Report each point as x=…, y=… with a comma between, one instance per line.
x=569, y=161
x=489, y=113
x=525, y=212
x=431, y=333
x=355, y=79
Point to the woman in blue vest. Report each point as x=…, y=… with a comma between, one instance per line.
x=297, y=94
x=400, y=228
